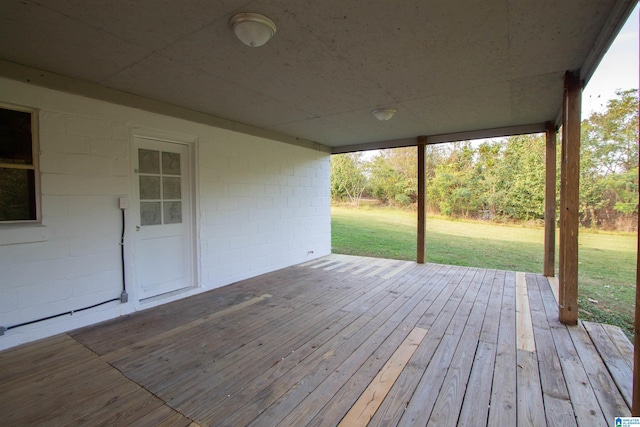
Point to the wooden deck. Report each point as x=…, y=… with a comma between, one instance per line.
x=351, y=339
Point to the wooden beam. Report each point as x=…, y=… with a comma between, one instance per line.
x=550, y=203
x=422, y=208
x=569, y=190
x=635, y=400
x=443, y=138
x=376, y=145
x=487, y=133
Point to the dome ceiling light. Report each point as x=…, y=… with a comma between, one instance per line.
x=252, y=29
x=383, y=114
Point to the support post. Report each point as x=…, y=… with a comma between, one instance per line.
x=569, y=189
x=635, y=399
x=550, y=203
x=422, y=208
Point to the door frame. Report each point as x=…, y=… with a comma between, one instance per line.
x=133, y=287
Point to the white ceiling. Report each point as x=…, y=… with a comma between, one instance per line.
x=446, y=66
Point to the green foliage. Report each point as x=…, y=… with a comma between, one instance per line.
x=451, y=188
x=609, y=164
x=612, y=136
x=504, y=180
x=393, y=176
x=523, y=177
x=348, y=179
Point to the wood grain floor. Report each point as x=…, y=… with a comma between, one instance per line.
x=360, y=340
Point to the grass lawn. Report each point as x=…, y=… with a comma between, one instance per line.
x=607, y=261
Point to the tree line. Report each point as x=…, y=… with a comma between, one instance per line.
x=504, y=180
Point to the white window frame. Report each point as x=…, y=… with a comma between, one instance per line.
x=35, y=154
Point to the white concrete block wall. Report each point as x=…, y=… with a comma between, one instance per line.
x=260, y=205
x=268, y=214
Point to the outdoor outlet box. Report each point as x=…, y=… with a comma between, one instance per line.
x=124, y=203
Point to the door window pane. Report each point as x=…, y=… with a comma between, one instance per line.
x=149, y=187
x=150, y=213
x=170, y=163
x=172, y=212
x=170, y=188
x=148, y=161
x=160, y=187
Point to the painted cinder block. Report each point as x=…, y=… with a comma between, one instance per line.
x=87, y=126
x=255, y=210
x=44, y=293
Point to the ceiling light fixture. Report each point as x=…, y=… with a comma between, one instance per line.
x=383, y=114
x=252, y=29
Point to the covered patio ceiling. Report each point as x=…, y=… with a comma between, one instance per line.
x=447, y=67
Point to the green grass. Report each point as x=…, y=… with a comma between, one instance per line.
x=607, y=261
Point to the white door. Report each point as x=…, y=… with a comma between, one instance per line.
x=163, y=248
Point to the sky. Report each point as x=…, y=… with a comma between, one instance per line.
x=617, y=70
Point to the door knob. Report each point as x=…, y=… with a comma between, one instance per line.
x=137, y=228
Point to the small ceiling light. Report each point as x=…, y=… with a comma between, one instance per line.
x=383, y=114
x=252, y=29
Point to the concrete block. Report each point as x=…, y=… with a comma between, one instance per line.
x=240, y=190
x=121, y=167
x=8, y=301
x=52, y=124
x=293, y=181
x=55, y=206
x=43, y=294
x=111, y=148
x=81, y=246
x=88, y=165
x=69, y=144
x=247, y=203
x=41, y=251
x=263, y=203
x=294, y=202
x=106, y=281
x=119, y=132
x=271, y=190
x=21, y=274
x=210, y=175
x=53, y=162
x=87, y=126
x=228, y=203
x=239, y=242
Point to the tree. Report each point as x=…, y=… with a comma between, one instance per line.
x=394, y=176
x=487, y=178
x=612, y=135
x=609, y=163
x=348, y=179
x=451, y=188
x=522, y=172
x=506, y=179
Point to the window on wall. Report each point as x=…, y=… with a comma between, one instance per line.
x=17, y=167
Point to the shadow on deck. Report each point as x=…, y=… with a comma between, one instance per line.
x=341, y=338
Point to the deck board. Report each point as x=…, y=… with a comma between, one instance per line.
x=557, y=403
x=612, y=404
x=584, y=402
x=503, y=395
x=306, y=344
x=616, y=364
